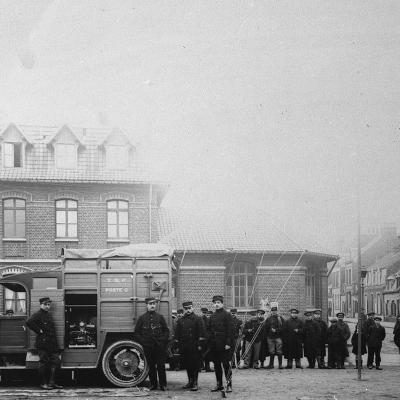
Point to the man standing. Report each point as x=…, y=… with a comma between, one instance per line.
x=343, y=352
x=46, y=344
x=253, y=332
x=323, y=329
x=206, y=358
x=273, y=330
x=376, y=335
x=190, y=336
x=220, y=329
x=293, y=339
x=152, y=332
x=237, y=324
x=311, y=339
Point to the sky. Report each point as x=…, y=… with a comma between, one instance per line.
x=289, y=108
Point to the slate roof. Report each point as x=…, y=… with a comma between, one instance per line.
x=39, y=162
x=250, y=232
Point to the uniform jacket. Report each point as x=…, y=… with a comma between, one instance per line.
x=190, y=333
x=323, y=339
x=274, y=326
x=220, y=330
x=292, y=341
x=354, y=342
x=376, y=335
x=251, y=327
x=151, y=330
x=396, y=334
x=345, y=329
x=42, y=320
x=237, y=324
x=312, y=335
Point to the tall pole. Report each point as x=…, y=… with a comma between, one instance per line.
x=359, y=326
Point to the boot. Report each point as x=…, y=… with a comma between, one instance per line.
x=189, y=385
x=280, y=361
x=194, y=387
x=271, y=362
x=298, y=363
x=52, y=381
x=289, y=363
x=218, y=387
x=229, y=386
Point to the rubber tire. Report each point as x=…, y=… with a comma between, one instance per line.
x=114, y=371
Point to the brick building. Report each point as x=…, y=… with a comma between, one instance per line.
x=66, y=187
x=85, y=188
x=245, y=258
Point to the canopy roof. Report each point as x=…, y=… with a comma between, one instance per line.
x=141, y=250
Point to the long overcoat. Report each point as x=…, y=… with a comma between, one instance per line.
x=311, y=338
x=292, y=340
x=376, y=335
x=323, y=340
x=220, y=333
x=43, y=321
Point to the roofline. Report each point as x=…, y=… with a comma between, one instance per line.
x=330, y=257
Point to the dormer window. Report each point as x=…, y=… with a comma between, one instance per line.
x=12, y=155
x=116, y=157
x=66, y=155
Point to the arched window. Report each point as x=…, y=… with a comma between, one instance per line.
x=393, y=310
x=66, y=218
x=14, y=218
x=240, y=284
x=117, y=219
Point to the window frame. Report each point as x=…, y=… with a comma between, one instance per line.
x=310, y=287
x=66, y=210
x=14, y=210
x=118, y=213
x=245, y=270
x=21, y=154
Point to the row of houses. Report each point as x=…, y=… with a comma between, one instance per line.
x=380, y=259
x=86, y=188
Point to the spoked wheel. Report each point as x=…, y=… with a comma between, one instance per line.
x=124, y=364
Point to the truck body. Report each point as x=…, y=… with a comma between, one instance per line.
x=97, y=296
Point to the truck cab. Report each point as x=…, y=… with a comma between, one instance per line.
x=97, y=296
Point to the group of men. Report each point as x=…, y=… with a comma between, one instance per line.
x=222, y=338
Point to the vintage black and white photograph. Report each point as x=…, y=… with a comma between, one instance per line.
x=199, y=199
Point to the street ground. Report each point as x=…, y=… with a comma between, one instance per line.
x=295, y=384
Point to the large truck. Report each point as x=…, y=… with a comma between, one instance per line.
x=97, y=296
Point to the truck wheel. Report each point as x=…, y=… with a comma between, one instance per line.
x=124, y=363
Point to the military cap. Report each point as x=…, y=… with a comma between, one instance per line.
x=204, y=309
x=233, y=310
x=209, y=312
x=317, y=311
x=44, y=300
x=333, y=319
x=150, y=300
x=307, y=313
x=294, y=310
x=260, y=311
x=371, y=313
x=10, y=312
x=340, y=314
x=179, y=311
x=187, y=304
x=218, y=298
x=274, y=308
x=253, y=312
x=377, y=318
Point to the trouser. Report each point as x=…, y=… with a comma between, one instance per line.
x=374, y=352
x=221, y=360
x=253, y=350
x=156, y=359
x=311, y=362
x=274, y=346
x=49, y=362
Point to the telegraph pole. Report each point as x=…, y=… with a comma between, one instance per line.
x=359, y=325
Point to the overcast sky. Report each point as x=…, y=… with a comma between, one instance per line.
x=290, y=107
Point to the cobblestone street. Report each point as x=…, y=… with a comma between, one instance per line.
x=274, y=384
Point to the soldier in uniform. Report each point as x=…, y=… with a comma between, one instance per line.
x=293, y=339
x=343, y=352
x=376, y=335
x=152, y=332
x=237, y=323
x=46, y=344
x=334, y=336
x=190, y=336
x=273, y=332
x=311, y=339
x=323, y=328
x=253, y=332
x=206, y=357
x=220, y=330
